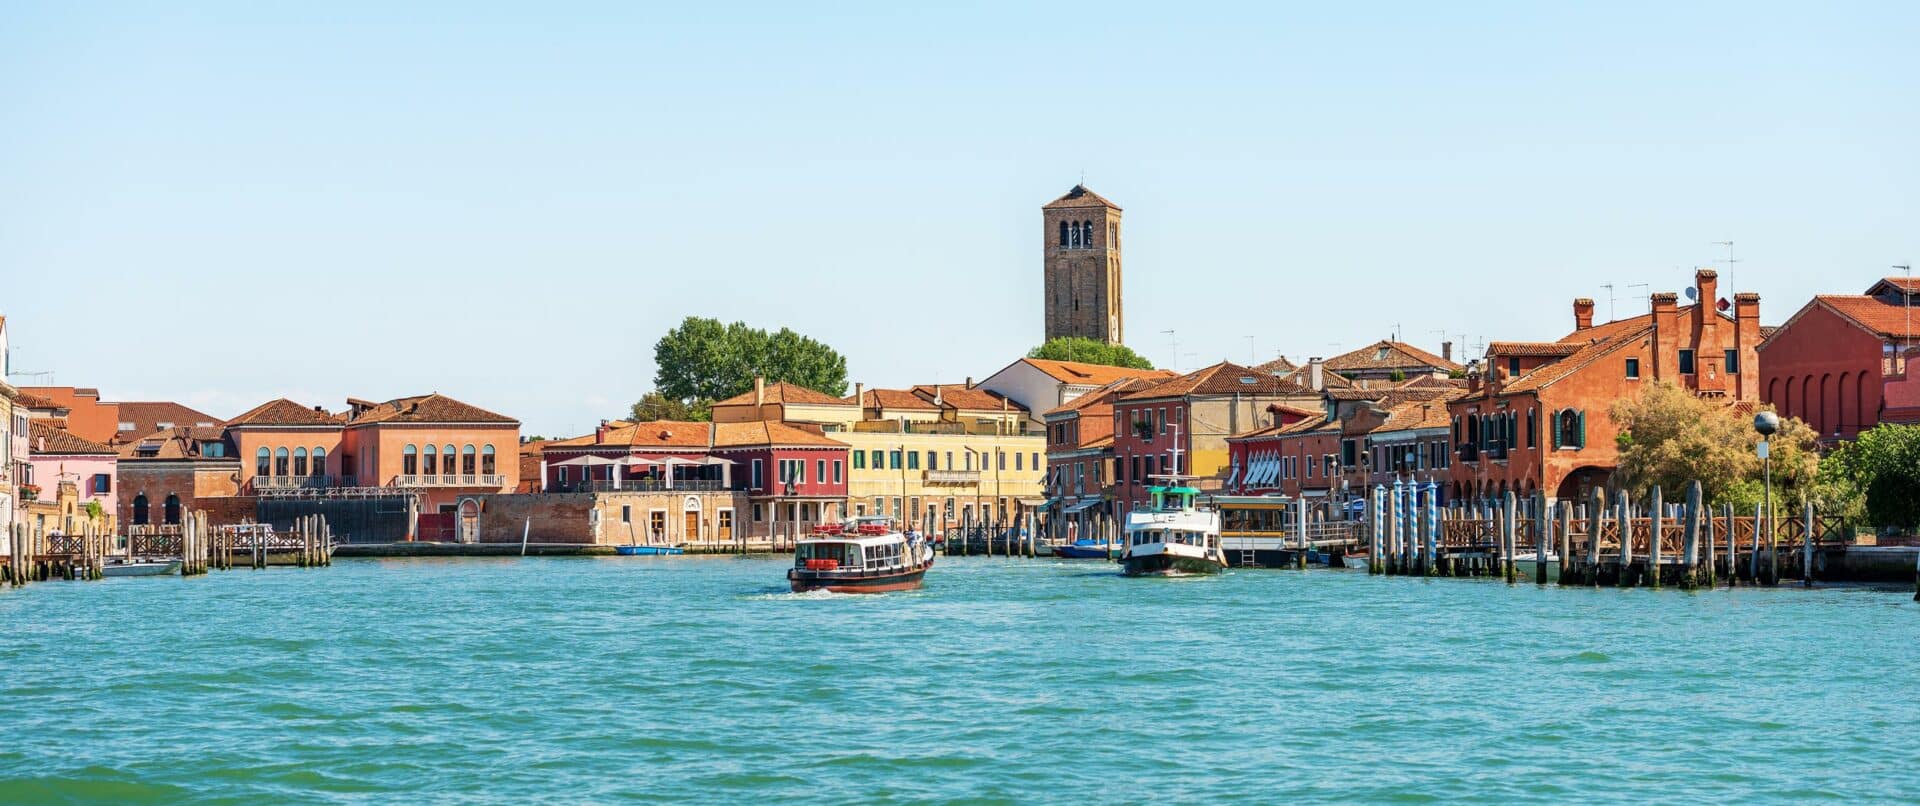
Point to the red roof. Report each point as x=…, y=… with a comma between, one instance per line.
x=1083, y=374
x=1389, y=355
x=894, y=399
x=1885, y=319
x=1552, y=349
x=283, y=412
x=148, y=416
x=1224, y=378
x=46, y=440
x=783, y=392
x=433, y=408
x=962, y=396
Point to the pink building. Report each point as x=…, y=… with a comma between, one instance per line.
x=55, y=455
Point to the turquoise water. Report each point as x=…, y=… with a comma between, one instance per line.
x=583, y=679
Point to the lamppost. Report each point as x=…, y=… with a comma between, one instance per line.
x=1767, y=423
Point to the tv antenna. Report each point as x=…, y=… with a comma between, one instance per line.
x=1729, y=261
x=1906, y=294
x=1173, y=347
x=1252, y=357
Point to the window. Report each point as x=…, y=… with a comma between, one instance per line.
x=299, y=461
x=487, y=465
x=1731, y=361
x=1513, y=365
x=1633, y=369
x=1036, y=460
x=102, y=483
x=466, y=460
x=1162, y=414
x=820, y=470
x=968, y=457
x=428, y=465
x=933, y=460
x=140, y=509
x=172, y=509
x=949, y=460
x=263, y=464
x=319, y=461
x=563, y=475
x=280, y=462
x=1530, y=428
x=756, y=485
x=1002, y=460
x=758, y=516
x=1686, y=362
x=1570, y=429
x=893, y=458
x=836, y=471
x=409, y=460
x=1019, y=459
x=879, y=460
x=446, y=460
x=913, y=460
x=859, y=460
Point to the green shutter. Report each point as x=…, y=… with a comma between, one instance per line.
x=1582, y=436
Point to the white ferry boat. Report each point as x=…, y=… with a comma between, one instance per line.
x=859, y=555
x=1170, y=536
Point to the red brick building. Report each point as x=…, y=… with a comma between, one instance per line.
x=1080, y=471
x=171, y=472
x=1546, y=426
x=1363, y=437
x=1182, y=425
x=1841, y=362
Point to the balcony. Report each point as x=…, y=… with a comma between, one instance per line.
x=494, y=480
x=641, y=486
x=953, y=477
x=291, y=482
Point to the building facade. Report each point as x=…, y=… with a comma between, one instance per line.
x=56, y=456
x=1841, y=363
x=1182, y=425
x=1081, y=264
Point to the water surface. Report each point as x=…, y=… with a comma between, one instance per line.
x=594, y=679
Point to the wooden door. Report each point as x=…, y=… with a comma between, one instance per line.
x=692, y=532
x=725, y=525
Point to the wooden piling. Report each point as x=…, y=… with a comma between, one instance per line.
x=1542, y=536
x=1656, y=523
x=1690, y=555
x=1596, y=523
x=1753, y=560
x=1623, y=512
x=1566, y=540
x=1806, y=545
x=1509, y=535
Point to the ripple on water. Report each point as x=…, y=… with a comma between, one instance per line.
x=1003, y=680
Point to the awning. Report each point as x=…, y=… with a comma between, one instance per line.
x=1083, y=506
x=587, y=461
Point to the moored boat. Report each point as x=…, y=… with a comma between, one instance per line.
x=1085, y=548
x=1170, y=536
x=140, y=568
x=859, y=555
x=1355, y=560
x=1528, y=564
x=648, y=551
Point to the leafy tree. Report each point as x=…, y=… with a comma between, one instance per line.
x=1089, y=351
x=656, y=406
x=1883, y=465
x=1671, y=437
x=704, y=360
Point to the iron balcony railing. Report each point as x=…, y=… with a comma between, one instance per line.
x=953, y=477
x=291, y=482
x=642, y=486
x=457, y=480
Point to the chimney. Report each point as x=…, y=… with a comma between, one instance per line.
x=1446, y=350
x=1664, y=304
x=600, y=433
x=1707, y=282
x=969, y=381
x=1316, y=374
x=859, y=394
x=1473, y=375
x=759, y=392
x=1582, y=314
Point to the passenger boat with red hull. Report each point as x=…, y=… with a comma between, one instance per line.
x=860, y=555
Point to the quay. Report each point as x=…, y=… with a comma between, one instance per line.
x=196, y=544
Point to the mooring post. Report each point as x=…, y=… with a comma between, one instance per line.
x=1656, y=525
x=1596, y=524
x=1433, y=529
x=1690, y=557
x=1623, y=512
x=1542, y=535
x=1376, y=510
x=1509, y=535
x=1565, y=537
x=1806, y=544
x=1753, y=560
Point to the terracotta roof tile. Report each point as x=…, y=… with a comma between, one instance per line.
x=433, y=408
x=282, y=412
x=44, y=439
x=783, y=392
x=149, y=416
x=1532, y=348
x=652, y=434
x=1075, y=372
x=179, y=442
x=767, y=432
x=1588, y=354
x=1223, y=378
x=962, y=396
x=28, y=400
x=1079, y=196
x=1279, y=366
x=1885, y=319
x=1388, y=355
x=894, y=399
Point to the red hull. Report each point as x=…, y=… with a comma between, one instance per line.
x=803, y=580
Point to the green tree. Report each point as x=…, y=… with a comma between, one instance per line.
x=656, y=406
x=1671, y=437
x=1883, y=466
x=1089, y=351
x=704, y=360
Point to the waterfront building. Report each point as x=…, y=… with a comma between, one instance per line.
x=163, y=475
x=1841, y=362
x=1358, y=438
x=1081, y=266
x=288, y=446
x=117, y=423
x=434, y=445
x=1389, y=360
x=1182, y=425
x=942, y=454
x=1080, y=473
x=56, y=456
x=1535, y=416
x=1038, y=384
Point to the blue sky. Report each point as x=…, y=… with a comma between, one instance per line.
x=226, y=203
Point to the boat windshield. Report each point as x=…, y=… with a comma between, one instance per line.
x=842, y=553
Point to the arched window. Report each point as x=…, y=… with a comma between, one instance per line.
x=280, y=462
x=1063, y=235
x=466, y=460
x=173, y=509
x=140, y=508
x=446, y=460
x=429, y=461
x=299, y=461
x=486, y=460
x=1086, y=234
x=319, y=461
x=410, y=460
x=263, y=462
x=1571, y=430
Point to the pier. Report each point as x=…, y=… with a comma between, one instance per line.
x=86, y=553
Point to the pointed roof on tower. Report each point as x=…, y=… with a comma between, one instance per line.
x=1079, y=196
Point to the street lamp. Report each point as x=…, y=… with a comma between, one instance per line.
x=1767, y=424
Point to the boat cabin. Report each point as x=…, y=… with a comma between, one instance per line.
x=850, y=554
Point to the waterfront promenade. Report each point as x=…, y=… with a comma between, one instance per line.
x=512, y=679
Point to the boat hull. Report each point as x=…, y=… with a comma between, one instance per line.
x=1358, y=561
x=1169, y=565
x=1081, y=552
x=648, y=551
x=803, y=580
x=140, y=569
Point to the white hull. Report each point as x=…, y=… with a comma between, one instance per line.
x=153, y=568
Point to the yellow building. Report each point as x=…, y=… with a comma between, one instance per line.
x=952, y=453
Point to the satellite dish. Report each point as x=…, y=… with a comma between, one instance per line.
x=1693, y=293
x=1722, y=305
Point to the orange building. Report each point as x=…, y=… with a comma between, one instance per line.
x=284, y=445
x=434, y=444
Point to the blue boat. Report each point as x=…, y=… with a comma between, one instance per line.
x=1085, y=548
x=643, y=551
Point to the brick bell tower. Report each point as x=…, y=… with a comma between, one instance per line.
x=1081, y=231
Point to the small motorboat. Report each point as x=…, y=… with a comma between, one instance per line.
x=860, y=555
x=140, y=568
x=1356, y=560
x=648, y=551
x=1085, y=548
x=1527, y=565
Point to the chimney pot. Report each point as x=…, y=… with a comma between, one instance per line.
x=1446, y=350
x=759, y=392
x=1582, y=314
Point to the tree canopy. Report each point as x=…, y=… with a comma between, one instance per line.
x=1671, y=437
x=655, y=406
x=1089, y=351
x=704, y=360
x=1883, y=464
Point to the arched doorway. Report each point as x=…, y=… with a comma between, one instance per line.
x=690, y=519
x=172, y=511
x=468, y=521
x=140, y=510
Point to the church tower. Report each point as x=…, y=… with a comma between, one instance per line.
x=1082, y=266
